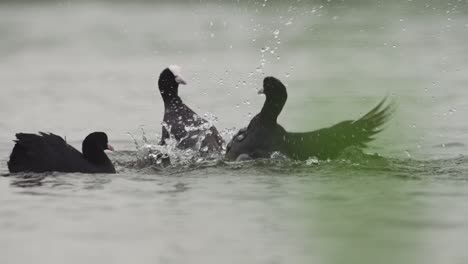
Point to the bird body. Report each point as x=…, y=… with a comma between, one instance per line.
x=182, y=123
x=265, y=136
x=48, y=152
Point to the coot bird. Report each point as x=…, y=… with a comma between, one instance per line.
x=181, y=122
x=48, y=152
x=264, y=135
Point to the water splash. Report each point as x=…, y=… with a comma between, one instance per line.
x=151, y=153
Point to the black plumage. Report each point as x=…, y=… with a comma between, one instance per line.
x=264, y=135
x=48, y=152
x=181, y=122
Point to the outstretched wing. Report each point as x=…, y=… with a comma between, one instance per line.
x=328, y=143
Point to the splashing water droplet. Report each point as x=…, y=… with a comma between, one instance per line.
x=265, y=49
x=408, y=154
x=276, y=33
x=312, y=161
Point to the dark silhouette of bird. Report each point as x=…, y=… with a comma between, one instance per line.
x=264, y=135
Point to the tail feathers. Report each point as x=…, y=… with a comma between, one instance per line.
x=32, y=152
x=327, y=143
x=22, y=154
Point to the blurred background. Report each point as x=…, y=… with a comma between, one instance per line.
x=74, y=67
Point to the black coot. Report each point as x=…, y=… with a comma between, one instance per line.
x=264, y=135
x=181, y=122
x=48, y=152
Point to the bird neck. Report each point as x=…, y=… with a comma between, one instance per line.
x=169, y=92
x=94, y=154
x=271, y=110
x=173, y=101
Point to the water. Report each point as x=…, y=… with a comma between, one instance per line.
x=72, y=68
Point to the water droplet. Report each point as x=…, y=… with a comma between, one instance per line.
x=212, y=35
x=276, y=33
x=408, y=154
x=265, y=49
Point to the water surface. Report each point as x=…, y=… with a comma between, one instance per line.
x=73, y=68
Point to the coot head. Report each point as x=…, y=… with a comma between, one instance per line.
x=273, y=88
x=169, y=81
x=276, y=97
x=94, y=146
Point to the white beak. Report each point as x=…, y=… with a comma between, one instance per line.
x=180, y=80
x=176, y=71
x=261, y=91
